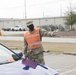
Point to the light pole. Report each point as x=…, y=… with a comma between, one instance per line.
x=61, y=10
x=25, y=8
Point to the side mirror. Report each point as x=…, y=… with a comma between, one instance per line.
x=17, y=56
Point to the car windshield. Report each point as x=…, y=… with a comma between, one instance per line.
x=6, y=55
x=18, y=26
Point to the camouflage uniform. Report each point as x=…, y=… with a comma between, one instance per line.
x=37, y=53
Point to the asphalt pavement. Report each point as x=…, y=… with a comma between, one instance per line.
x=64, y=64
x=44, y=39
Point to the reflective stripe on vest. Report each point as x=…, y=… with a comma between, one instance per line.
x=33, y=40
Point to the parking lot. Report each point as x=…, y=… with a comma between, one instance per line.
x=64, y=64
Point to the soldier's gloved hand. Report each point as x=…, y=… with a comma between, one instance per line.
x=50, y=33
x=26, y=56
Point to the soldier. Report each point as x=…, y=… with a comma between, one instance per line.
x=33, y=49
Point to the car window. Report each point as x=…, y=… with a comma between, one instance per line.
x=6, y=55
x=16, y=26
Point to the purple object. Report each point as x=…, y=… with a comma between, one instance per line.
x=29, y=63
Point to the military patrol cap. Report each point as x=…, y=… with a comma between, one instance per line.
x=29, y=23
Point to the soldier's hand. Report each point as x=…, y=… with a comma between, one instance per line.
x=50, y=33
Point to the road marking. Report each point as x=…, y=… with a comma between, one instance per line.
x=67, y=72
x=65, y=67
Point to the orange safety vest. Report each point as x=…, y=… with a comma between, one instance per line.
x=33, y=40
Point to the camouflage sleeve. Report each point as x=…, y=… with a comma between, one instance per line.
x=44, y=32
x=25, y=48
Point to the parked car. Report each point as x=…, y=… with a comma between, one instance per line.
x=17, y=28
x=6, y=29
x=11, y=64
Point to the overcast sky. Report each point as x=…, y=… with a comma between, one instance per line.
x=34, y=8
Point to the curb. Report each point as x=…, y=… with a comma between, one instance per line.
x=70, y=53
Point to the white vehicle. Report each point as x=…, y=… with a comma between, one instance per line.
x=17, y=28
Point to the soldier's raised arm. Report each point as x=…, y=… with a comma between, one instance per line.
x=44, y=32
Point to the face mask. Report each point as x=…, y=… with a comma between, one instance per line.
x=31, y=27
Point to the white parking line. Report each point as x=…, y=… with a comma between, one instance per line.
x=67, y=71
x=65, y=67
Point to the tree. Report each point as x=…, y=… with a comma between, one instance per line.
x=70, y=17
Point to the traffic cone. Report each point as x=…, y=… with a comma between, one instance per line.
x=1, y=33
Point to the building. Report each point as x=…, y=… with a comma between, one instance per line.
x=56, y=21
